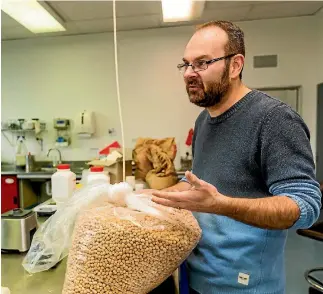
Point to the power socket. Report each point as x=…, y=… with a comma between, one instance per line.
x=112, y=132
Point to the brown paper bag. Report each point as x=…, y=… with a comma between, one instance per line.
x=163, y=174
x=141, y=150
x=159, y=183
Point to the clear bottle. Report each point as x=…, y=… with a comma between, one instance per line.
x=21, y=152
x=97, y=174
x=63, y=184
x=29, y=162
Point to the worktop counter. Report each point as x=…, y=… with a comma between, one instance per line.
x=14, y=276
x=21, y=174
x=11, y=170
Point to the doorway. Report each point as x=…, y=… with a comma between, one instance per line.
x=319, y=134
x=288, y=95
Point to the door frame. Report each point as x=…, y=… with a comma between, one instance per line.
x=319, y=168
x=282, y=88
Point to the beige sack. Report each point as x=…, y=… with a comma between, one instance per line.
x=141, y=150
x=159, y=183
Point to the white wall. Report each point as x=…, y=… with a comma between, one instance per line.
x=59, y=77
x=295, y=42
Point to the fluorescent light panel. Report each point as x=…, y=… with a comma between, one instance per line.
x=31, y=15
x=182, y=10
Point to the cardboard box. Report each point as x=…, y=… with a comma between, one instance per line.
x=113, y=163
x=116, y=171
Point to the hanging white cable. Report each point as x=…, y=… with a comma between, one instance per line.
x=118, y=89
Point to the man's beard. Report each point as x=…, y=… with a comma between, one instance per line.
x=214, y=93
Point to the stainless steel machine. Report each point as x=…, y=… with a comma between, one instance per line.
x=17, y=229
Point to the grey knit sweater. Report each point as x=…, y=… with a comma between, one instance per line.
x=258, y=148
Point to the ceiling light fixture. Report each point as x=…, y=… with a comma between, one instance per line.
x=31, y=15
x=182, y=10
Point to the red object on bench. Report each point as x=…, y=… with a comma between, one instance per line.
x=106, y=150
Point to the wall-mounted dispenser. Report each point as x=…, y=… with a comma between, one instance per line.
x=85, y=124
x=63, y=137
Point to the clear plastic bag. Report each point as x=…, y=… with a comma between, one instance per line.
x=128, y=249
x=121, y=243
x=52, y=240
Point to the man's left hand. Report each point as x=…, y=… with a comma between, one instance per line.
x=202, y=197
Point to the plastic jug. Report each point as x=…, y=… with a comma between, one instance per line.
x=21, y=152
x=63, y=183
x=97, y=174
x=5, y=290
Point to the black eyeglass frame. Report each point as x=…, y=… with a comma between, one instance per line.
x=207, y=63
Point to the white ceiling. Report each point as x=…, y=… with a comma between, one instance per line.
x=83, y=17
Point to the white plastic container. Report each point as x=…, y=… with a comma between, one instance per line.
x=97, y=173
x=21, y=152
x=5, y=290
x=63, y=184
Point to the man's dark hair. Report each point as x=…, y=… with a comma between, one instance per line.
x=235, y=43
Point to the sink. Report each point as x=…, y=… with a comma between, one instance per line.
x=49, y=169
x=77, y=170
x=5, y=168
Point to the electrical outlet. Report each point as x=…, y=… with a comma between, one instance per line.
x=112, y=132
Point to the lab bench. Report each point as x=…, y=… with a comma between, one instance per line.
x=14, y=276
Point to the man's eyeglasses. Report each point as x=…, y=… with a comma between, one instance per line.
x=200, y=65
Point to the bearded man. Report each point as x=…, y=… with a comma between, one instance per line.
x=253, y=174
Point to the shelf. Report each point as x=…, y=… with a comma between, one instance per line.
x=62, y=144
x=21, y=130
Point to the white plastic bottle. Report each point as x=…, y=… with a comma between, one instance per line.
x=63, y=184
x=21, y=152
x=97, y=174
x=5, y=290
